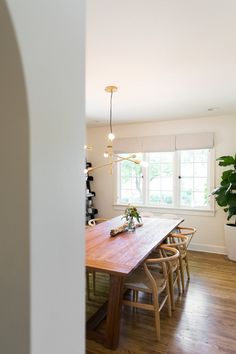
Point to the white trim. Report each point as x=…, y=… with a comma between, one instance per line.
x=116, y=189
x=145, y=179
x=177, y=180
x=213, y=176
x=207, y=248
x=211, y=171
x=158, y=211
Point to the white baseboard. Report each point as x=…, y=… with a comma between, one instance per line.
x=207, y=248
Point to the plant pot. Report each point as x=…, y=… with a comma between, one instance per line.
x=230, y=241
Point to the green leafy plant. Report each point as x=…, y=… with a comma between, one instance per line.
x=131, y=212
x=225, y=194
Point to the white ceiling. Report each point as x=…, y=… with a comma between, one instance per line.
x=171, y=59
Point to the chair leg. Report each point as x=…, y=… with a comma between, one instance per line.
x=187, y=266
x=178, y=280
x=87, y=285
x=157, y=324
x=168, y=299
x=133, y=295
x=157, y=316
x=94, y=282
x=181, y=272
x=171, y=291
x=135, y=299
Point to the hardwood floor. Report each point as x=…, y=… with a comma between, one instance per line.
x=204, y=321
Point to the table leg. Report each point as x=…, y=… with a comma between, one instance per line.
x=114, y=312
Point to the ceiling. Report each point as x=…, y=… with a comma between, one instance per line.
x=171, y=59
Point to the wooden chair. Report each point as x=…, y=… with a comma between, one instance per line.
x=174, y=275
x=183, y=230
x=180, y=242
x=96, y=221
x=186, y=231
x=92, y=223
x=150, y=280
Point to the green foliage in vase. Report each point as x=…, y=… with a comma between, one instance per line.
x=131, y=212
x=225, y=194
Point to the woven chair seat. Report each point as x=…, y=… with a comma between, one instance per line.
x=139, y=281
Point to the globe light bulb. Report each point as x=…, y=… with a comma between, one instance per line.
x=105, y=155
x=85, y=170
x=111, y=136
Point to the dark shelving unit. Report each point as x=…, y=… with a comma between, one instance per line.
x=90, y=210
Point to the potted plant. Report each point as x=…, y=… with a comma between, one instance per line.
x=131, y=213
x=225, y=196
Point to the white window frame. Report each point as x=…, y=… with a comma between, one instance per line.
x=117, y=185
x=176, y=209
x=210, y=180
x=147, y=184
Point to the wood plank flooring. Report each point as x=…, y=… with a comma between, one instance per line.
x=204, y=321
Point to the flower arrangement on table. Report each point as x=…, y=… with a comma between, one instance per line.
x=131, y=213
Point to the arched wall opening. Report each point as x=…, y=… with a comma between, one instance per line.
x=14, y=192
x=42, y=125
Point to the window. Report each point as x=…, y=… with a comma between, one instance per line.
x=131, y=181
x=179, y=179
x=194, y=178
x=160, y=178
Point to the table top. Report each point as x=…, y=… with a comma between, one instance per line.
x=126, y=251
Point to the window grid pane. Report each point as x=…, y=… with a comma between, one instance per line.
x=160, y=182
x=160, y=188
x=131, y=184
x=194, y=178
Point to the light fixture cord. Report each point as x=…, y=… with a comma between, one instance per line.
x=111, y=111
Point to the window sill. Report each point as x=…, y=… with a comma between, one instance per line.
x=161, y=210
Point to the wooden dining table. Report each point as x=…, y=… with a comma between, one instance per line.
x=119, y=256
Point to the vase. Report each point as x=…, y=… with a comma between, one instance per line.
x=131, y=225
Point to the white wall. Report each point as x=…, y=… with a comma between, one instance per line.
x=14, y=196
x=42, y=180
x=210, y=235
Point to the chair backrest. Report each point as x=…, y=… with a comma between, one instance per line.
x=167, y=258
x=174, y=262
x=186, y=231
x=96, y=221
x=178, y=241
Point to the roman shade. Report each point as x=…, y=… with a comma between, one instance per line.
x=159, y=143
x=145, y=144
x=194, y=141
